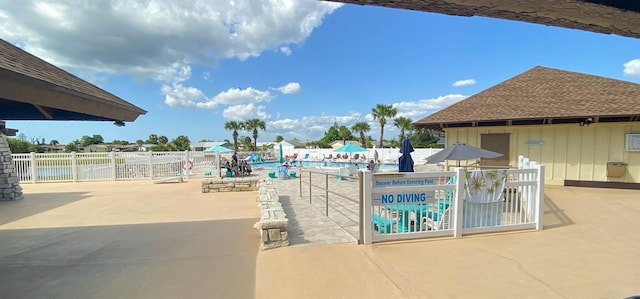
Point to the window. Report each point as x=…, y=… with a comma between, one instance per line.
x=633, y=143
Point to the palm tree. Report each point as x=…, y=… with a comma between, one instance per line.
x=344, y=133
x=404, y=124
x=234, y=126
x=361, y=127
x=252, y=125
x=381, y=112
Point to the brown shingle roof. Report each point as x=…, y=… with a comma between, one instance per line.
x=543, y=95
x=21, y=65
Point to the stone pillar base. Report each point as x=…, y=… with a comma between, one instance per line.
x=9, y=184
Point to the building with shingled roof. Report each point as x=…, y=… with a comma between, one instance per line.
x=585, y=129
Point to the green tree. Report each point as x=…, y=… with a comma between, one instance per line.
x=253, y=125
x=234, y=126
x=424, y=139
x=345, y=134
x=361, y=127
x=330, y=136
x=404, y=124
x=181, y=143
x=246, y=143
x=54, y=142
x=394, y=143
x=153, y=139
x=72, y=146
x=88, y=140
x=18, y=146
x=139, y=142
x=383, y=112
x=163, y=139
x=279, y=138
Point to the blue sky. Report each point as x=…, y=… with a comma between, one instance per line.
x=298, y=65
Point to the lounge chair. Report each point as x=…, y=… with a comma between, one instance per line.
x=437, y=221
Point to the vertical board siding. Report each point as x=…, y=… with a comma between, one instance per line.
x=569, y=151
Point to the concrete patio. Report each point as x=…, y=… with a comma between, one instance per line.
x=140, y=240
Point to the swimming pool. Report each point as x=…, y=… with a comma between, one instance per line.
x=275, y=164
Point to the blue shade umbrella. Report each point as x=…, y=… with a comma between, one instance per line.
x=219, y=149
x=405, y=163
x=281, y=158
x=350, y=148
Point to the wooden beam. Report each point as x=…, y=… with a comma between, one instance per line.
x=44, y=112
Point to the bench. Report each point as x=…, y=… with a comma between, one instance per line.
x=382, y=224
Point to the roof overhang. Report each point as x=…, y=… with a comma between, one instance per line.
x=580, y=120
x=621, y=17
x=27, y=98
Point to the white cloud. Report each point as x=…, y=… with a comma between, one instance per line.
x=632, y=68
x=290, y=88
x=465, y=82
x=244, y=112
x=148, y=37
x=313, y=127
x=285, y=50
x=418, y=109
x=190, y=97
x=242, y=95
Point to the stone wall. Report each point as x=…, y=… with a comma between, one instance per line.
x=9, y=184
x=228, y=185
x=273, y=220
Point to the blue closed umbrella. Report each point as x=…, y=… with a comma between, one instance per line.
x=281, y=158
x=405, y=163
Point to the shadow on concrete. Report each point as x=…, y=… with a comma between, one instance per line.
x=554, y=216
x=200, y=259
x=294, y=229
x=36, y=203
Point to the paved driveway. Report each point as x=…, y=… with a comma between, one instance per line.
x=128, y=239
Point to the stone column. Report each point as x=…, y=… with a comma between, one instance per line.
x=9, y=184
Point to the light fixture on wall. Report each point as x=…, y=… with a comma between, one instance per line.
x=587, y=122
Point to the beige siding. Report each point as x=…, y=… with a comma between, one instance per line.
x=568, y=151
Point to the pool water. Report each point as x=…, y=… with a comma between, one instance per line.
x=275, y=164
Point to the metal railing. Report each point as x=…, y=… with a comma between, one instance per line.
x=324, y=188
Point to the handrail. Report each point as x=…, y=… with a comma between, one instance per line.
x=325, y=187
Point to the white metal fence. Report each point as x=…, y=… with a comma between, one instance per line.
x=79, y=167
x=400, y=206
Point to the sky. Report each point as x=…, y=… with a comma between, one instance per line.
x=298, y=65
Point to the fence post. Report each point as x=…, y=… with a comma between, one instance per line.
x=300, y=179
x=458, y=202
x=309, y=188
x=74, y=166
x=151, y=165
x=112, y=160
x=360, y=200
x=540, y=198
x=32, y=159
x=218, y=164
x=188, y=157
x=326, y=195
x=366, y=223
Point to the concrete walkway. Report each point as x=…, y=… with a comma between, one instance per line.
x=128, y=240
x=143, y=240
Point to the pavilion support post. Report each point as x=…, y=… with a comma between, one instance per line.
x=10, y=188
